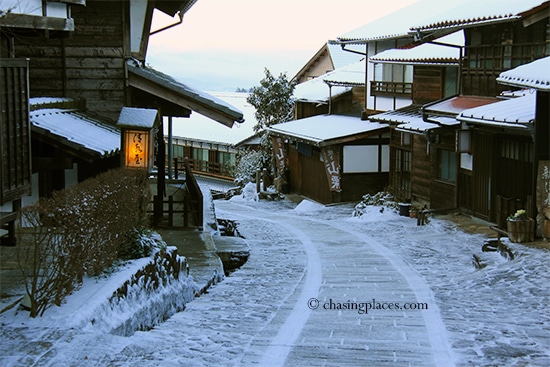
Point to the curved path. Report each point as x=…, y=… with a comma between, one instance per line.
x=289, y=305
x=347, y=269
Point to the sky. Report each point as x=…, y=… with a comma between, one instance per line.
x=224, y=45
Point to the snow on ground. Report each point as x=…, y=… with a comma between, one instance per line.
x=495, y=316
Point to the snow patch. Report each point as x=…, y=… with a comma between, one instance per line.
x=307, y=206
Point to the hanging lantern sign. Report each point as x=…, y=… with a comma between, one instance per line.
x=137, y=136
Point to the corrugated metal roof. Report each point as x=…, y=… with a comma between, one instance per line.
x=425, y=54
x=77, y=130
x=534, y=75
x=477, y=13
x=517, y=113
x=455, y=105
x=323, y=128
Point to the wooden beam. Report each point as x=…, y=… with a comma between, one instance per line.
x=13, y=20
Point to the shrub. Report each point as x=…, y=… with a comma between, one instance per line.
x=81, y=231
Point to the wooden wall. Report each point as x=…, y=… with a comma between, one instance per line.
x=15, y=150
x=89, y=63
x=427, y=84
x=421, y=169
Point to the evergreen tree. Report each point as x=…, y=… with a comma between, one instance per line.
x=272, y=100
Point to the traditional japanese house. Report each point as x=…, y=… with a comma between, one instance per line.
x=332, y=158
x=327, y=59
x=535, y=76
x=96, y=54
x=340, y=91
x=498, y=37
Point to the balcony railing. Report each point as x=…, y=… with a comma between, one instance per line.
x=382, y=88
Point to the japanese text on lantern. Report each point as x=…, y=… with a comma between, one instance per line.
x=136, y=149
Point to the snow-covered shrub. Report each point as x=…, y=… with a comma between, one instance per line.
x=382, y=199
x=144, y=244
x=79, y=231
x=248, y=162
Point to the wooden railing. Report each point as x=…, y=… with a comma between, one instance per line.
x=202, y=167
x=382, y=88
x=194, y=194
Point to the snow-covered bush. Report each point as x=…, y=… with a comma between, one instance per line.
x=248, y=162
x=382, y=199
x=79, y=231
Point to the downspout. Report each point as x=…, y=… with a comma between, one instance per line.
x=180, y=15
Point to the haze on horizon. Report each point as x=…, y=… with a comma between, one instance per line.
x=222, y=45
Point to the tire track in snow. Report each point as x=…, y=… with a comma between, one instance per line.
x=437, y=331
x=281, y=345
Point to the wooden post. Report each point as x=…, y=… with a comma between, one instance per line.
x=264, y=179
x=258, y=180
x=171, y=210
x=186, y=211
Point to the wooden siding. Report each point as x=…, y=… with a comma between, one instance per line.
x=443, y=193
x=15, y=153
x=308, y=176
x=422, y=169
x=90, y=64
x=427, y=84
x=491, y=50
x=355, y=185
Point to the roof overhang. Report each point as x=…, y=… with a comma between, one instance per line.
x=81, y=135
x=326, y=130
x=516, y=113
x=535, y=75
x=164, y=89
x=172, y=7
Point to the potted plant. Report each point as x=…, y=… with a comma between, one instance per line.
x=520, y=227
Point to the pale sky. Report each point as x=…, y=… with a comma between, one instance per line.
x=224, y=45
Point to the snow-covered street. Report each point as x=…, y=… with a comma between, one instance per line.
x=317, y=290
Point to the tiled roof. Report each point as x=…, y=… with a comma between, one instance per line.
x=398, y=24
x=534, y=75
x=477, y=13
x=517, y=112
x=425, y=53
x=77, y=131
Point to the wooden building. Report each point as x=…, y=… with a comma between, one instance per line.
x=95, y=54
x=332, y=158
x=490, y=160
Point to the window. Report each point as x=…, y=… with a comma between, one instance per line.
x=200, y=154
x=447, y=165
x=366, y=158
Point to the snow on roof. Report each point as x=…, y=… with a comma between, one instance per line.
x=517, y=112
x=341, y=58
x=398, y=23
x=342, y=79
x=323, y=128
x=427, y=53
x=137, y=117
x=208, y=102
x=408, y=119
x=476, y=13
x=203, y=129
x=533, y=75
x=78, y=129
